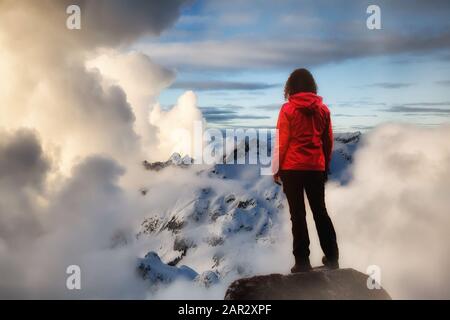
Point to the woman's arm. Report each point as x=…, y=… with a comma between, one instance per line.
x=327, y=143
x=281, y=141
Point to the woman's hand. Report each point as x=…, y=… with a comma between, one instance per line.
x=325, y=174
x=276, y=178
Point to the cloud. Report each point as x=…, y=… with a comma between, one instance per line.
x=389, y=85
x=412, y=109
x=443, y=82
x=355, y=115
x=142, y=80
x=70, y=143
x=176, y=126
x=441, y=108
x=238, y=19
x=23, y=172
x=221, y=85
x=105, y=23
x=270, y=107
x=268, y=54
x=107, y=106
x=428, y=104
x=357, y=103
x=73, y=222
x=398, y=219
x=270, y=46
x=364, y=128
x=226, y=114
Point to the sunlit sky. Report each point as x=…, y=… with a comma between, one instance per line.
x=236, y=55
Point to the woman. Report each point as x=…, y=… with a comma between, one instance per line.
x=303, y=151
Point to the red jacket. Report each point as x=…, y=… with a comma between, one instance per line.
x=304, y=136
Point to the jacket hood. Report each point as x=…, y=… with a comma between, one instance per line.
x=306, y=102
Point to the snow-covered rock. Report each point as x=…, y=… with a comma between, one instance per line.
x=155, y=271
x=207, y=278
x=345, y=145
x=174, y=160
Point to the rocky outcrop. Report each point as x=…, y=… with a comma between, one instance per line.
x=153, y=270
x=348, y=137
x=175, y=160
x=319, y=284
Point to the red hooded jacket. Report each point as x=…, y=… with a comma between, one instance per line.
x=304, y=136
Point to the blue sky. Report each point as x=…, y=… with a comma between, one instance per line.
x=237, y=54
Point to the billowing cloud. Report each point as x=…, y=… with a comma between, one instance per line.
x=394, y=213
x=176, y=126
x=78, y=111
x=71, y=140
x=105, y=23
x=142, y=80
x=75, y=221
x=23, y=174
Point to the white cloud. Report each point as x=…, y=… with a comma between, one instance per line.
x=394, y=213
x=176, y=126
x=289, y=51
x=63, y=197
x=142, y=80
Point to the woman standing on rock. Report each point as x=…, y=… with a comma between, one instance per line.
x=302, y=155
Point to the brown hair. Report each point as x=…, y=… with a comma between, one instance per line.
x=300, y=80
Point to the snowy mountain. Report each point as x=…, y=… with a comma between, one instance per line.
x=231, y=209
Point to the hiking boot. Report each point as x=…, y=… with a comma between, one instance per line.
x=301, y=268
x=330, y=264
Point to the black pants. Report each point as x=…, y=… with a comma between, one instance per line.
x=313, y=183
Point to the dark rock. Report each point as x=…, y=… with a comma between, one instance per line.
x=215, y=241
x=246, y=203
x=149, y=226
x=230, y=198
x=217, y=259
x=349, y=137
x=207, y=278
x=319, y=284
x=155, y=166
x=174, y=160
x=151, y=268
x=182, y=245
x=174, y=225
